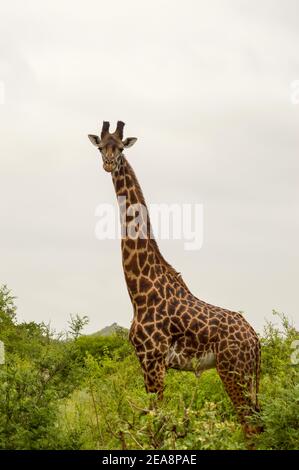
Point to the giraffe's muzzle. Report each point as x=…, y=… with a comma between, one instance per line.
x=109, y=165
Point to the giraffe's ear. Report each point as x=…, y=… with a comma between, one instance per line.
x=94, y=139
x=129, y=141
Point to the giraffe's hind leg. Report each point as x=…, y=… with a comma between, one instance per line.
x=238, y=379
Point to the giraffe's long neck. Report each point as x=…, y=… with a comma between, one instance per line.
x=140, y=256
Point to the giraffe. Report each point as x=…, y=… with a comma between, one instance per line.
x=171, y=328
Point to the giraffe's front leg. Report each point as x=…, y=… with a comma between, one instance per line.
x=154, y=374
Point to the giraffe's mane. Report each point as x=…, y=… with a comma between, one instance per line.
x=129, y=170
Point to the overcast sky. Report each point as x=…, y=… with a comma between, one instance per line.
x=205, y=86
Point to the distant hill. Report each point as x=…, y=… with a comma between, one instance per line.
x=109, y=330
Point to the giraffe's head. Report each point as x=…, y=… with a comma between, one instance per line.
x=111, y=146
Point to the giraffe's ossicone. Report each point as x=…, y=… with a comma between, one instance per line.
x=172, y=328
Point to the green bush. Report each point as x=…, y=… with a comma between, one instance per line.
x=39, y=371
x=87, y=392
x=280, y=388
x=99, y=346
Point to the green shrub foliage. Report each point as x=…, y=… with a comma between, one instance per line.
x=86, y=392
